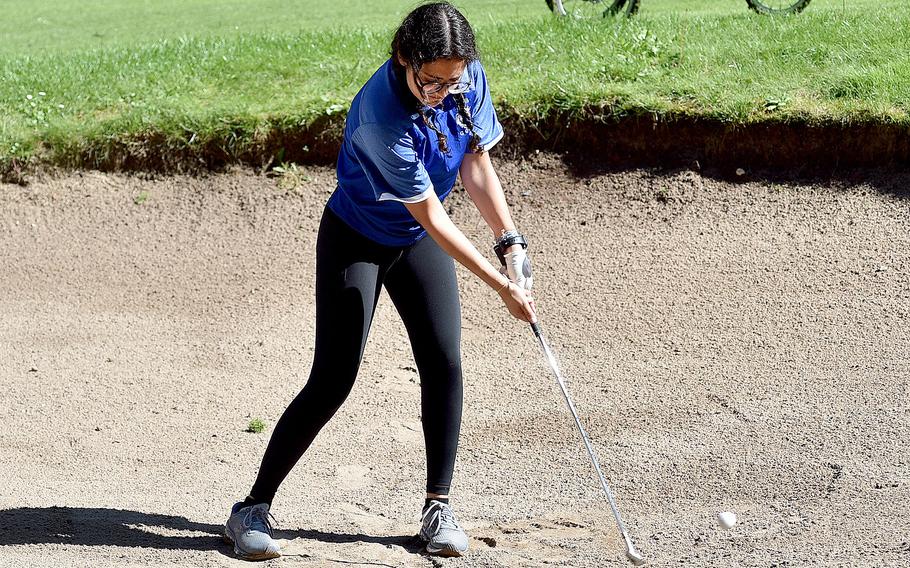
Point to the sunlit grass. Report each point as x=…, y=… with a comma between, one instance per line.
x=237, y=74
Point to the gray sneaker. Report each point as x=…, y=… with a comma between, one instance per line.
x=249, y=530
x=440, y=530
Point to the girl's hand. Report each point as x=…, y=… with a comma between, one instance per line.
x=519, y=302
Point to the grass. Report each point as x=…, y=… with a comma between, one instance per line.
x=255, y=426
x=40, y=27
x=141, y=198
x=289, y=176
x=93, y=74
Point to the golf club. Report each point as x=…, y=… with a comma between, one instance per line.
x=633, y=555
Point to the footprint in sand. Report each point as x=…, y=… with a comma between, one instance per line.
x=541, y=540
x=406, y=431
x=364, y=518
x=353, y=477
x=403, y=380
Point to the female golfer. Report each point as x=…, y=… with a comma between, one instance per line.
x=423, y=118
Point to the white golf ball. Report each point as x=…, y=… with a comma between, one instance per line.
x=726, y=519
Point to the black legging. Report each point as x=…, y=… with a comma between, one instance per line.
x=350, y=272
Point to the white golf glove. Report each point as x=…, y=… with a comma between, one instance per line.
x=518, y=268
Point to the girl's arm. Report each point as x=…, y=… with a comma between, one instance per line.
x=433, y=217
x=482, y=184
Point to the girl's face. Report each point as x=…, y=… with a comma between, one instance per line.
x=436, y=79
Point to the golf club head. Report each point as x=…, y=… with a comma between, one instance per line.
x=633, y=555
x=636, y=558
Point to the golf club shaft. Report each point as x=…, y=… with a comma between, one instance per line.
x=630, y=548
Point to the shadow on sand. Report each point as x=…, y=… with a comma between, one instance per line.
x=116, y=527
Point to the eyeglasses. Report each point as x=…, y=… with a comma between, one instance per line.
x=431, y=88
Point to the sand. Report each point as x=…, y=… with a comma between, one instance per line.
x=731, y=345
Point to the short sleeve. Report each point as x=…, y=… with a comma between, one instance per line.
x=486, y=124
x=390, y=163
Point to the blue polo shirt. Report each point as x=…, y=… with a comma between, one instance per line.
x=390, y=157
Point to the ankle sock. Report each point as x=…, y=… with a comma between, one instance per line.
x=429, y=500
x=250, y=500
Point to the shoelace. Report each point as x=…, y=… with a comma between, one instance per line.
x=260, y=515
x=442, y=518
x=447, y=519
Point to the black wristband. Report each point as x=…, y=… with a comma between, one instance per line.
x=505, y=242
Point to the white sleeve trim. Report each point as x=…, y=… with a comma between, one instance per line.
x=486, y=147
x=414, y=199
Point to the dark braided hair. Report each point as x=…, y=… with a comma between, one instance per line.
x=431, y=32
x=462, y=105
